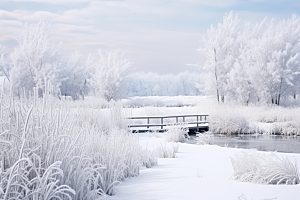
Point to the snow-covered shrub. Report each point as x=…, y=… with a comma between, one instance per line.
x=286, y=128
x=204, y=138
x=267, y=114
x=251, y=166
x=177, y=133
x=167, y=150
x=228, y=122
x=291, y=128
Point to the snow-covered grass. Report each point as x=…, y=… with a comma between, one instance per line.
x=61, y=149
x=82, y=150
x=251, y=166
x=177, y=133
x=284, y=120
x=167, y=150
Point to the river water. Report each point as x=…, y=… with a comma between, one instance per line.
x=287, y=144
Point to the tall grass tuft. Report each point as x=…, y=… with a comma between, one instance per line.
x=250, y=166
x=52, y=149
x=167, y=150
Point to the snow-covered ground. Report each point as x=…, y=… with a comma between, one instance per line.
x=198, y=172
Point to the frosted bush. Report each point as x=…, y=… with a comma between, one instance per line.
x=291, y=128
x=286, y=128
x=204, y=138
x=177, y=133
x=228, y=122
x=251, y=166
x=267, y=114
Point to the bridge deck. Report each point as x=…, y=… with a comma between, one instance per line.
x=193, y=122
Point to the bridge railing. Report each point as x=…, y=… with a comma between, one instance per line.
x=177, y=119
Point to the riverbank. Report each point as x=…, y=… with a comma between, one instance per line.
x=198, y=172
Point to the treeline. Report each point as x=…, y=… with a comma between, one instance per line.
x=253, y=62
x=37, y=62
x=153, y=84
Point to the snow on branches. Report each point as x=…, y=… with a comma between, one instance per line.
x=35, y=60
x=110, y=69
x=253, y=62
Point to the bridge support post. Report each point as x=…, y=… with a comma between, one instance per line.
x=197, y=123
x=148, y=121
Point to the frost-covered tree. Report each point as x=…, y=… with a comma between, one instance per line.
x=286, y=56
x=110, y=69
x=74, y=76
x=220, y=50
x=4, y=65
x=240, y=77
x=36, y=60
x=273, y=57
x=253, y=62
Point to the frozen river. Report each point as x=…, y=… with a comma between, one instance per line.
x=287, y=144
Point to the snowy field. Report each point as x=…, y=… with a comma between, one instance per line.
x=198, y=172
x=83, y=150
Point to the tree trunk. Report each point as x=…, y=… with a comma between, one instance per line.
x=279, y=92
x=216, y=76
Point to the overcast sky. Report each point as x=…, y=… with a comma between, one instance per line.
x=156, y=35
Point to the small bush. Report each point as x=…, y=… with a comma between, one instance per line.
x=228, y=122
x=251, y=166
x=177, y=133
x=204, y=138
x=286, y=128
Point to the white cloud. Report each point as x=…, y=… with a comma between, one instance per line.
x=153, y=33
x=59, y=2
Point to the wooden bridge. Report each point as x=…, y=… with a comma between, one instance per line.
x=160, y=123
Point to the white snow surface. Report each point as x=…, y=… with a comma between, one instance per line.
x=198, y=172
